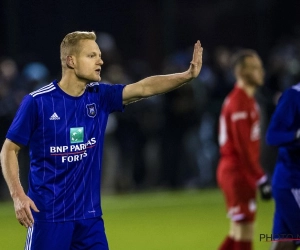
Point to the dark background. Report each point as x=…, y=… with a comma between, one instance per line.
x=168, y=141
x=146, y=29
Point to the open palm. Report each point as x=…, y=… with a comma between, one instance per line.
x=196, y=62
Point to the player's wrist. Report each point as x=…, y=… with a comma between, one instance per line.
x=188, y=75
x=16, y=192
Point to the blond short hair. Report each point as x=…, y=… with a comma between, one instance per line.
x=69, y=44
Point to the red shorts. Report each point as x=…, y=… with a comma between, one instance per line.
x=239, y=195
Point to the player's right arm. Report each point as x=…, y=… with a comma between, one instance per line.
x=10, y=168
x=282, y=130
x=17, y=135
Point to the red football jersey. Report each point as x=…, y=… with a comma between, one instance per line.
x=239, y=137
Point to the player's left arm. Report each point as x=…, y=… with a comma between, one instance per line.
x=246, y=136
x=160, y=84
x=249, y=154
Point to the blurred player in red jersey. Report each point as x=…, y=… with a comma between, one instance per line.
x=239, y=172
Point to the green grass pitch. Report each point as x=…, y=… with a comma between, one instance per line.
x=178, y=220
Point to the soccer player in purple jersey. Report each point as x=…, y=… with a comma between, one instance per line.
x=64, y=124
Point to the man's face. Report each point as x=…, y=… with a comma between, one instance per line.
x=87, y=61
x=252, y=71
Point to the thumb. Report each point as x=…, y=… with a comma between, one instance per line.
x=33, y=206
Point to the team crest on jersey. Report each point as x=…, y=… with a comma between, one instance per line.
x=91, y=110
x=76, y=135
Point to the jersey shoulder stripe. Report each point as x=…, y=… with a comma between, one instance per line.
x=43, y=90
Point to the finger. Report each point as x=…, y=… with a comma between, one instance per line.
x=24, y=221
x=29, y=218
x=23, y=224
x=20, y=217
x=200, y=54
x=33, y=206
x=197, y=45
x=200, y=49
x=25, y=217
x=27, y=222
x=197, y=55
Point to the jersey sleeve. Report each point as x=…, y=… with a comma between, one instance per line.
x=113, y=96
x=245, y=136
x=283, y=126
x=24, y=122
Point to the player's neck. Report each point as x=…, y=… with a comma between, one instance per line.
x=72, y=86
x=248, y=88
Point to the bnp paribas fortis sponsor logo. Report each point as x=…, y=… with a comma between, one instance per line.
x=76, y=135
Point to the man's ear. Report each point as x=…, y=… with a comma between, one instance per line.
x=70, y=62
